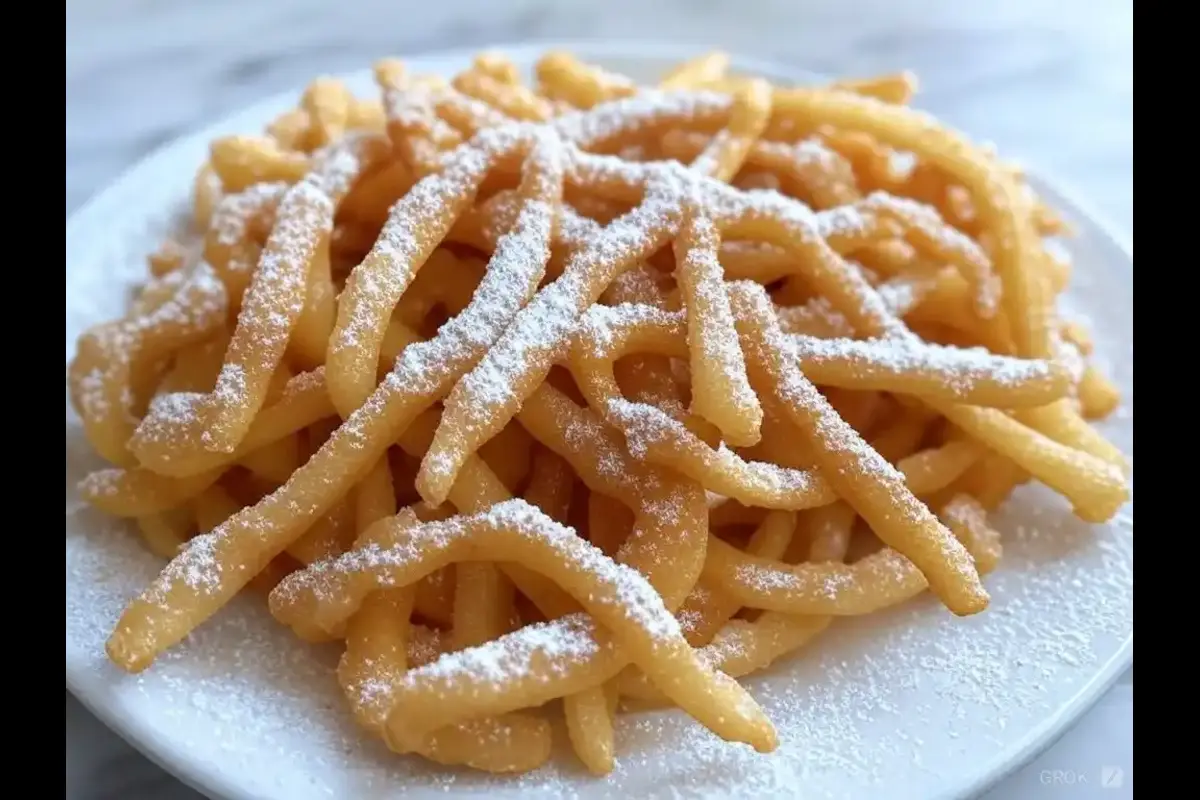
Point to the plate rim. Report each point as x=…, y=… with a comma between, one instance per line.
x=1043, y=736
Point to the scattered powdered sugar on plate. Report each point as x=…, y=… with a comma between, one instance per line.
x=909, y=703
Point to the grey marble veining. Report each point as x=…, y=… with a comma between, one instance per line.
x=1051, y=83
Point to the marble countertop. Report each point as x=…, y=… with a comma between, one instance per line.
x=1050, y=83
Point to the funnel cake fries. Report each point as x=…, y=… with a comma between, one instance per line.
x=584, y=390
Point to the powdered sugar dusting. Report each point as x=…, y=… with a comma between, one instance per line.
x=513, y=273
x=822, y=172
x=543, y=329
x=881, y=579
x=276, y=294
x=196, y=567
x=846, y=289
x=710, y=324
x=957, y=368
x=911, y=691
x=966, y=511
x=231, y=384
x=902, y=294
x=838, y=436
x=910, y=698
x=1068, y=355
x=542, y=648
x=170, y=413
x=642, y=424
x=387, y=271
x=635, y=114
x=338, y=165
x=196, y=307
x=854, y=456
x=645, y=425
x=235, y=211
x=927, y=227
x=602, y=326
x=617, y=586
x=585, y=434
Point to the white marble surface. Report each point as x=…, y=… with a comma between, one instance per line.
x=1050, y=83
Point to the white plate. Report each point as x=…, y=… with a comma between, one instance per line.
x=912, y=703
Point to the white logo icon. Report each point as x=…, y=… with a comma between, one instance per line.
x=1112, y=777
